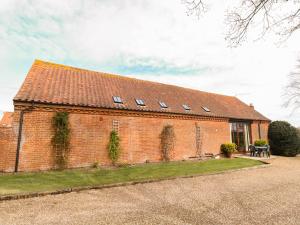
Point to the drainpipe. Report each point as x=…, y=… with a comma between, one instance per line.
x=19, y=140
x=20, y=136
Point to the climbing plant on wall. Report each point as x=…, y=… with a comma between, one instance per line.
x=198, y=140
x=114, y=147
x=167, y=142
x=61, y=139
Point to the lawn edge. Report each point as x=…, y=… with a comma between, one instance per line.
x=104, y=186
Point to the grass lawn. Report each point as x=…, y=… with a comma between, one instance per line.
x=58, y=180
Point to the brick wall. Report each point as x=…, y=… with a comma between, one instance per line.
x=263, y=130
x=8, y=143
x=264, y=127
x=35, y=151
x=90, y=135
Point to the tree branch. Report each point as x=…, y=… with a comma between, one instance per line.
x=292, y=91
x=254, y=12
x=195, y=7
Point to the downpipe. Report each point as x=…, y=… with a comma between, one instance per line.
x=21, y=121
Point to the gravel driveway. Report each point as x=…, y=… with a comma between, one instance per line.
x=257, y=196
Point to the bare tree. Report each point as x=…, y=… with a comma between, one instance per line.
x=280, y=16
x=195, y=7
x=292, y=92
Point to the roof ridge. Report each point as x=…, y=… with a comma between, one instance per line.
x=42, y=62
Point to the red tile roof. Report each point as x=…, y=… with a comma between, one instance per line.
x=58, y=84
x=6, y=119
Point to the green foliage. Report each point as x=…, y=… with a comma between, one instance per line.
x=61, y=139
x=260, y=142
x=283, y=139
x=167, y=142
x=114, y=147
x=228, y=148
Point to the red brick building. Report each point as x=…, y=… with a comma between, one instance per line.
x=99, y=102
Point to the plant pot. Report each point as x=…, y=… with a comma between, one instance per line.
x=229, y=155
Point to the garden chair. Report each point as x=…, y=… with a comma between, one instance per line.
x=266, y=151
x=258, y=151
x=252, y=150
x=255, y=151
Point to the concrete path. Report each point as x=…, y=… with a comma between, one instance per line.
x=247, y=156
x=268, y=195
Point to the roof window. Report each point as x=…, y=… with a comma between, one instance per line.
x=117, y=99
x=140, y=102
x=206, y=109
x=163, y=105
x=186, y=107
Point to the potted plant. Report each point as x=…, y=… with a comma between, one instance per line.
x=260, y=142
x=228, y=148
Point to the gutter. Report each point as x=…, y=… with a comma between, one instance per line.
x=162, y=112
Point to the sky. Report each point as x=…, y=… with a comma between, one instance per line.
x=146, y=39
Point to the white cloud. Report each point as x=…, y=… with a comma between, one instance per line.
x=152, y=40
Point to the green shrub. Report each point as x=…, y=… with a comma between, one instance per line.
x=228, y=148
x=61, y=139
x=167, y=142
x=260, y=142
x=114, y=147
x=283, y=139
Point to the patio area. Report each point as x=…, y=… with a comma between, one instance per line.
x=247, y=155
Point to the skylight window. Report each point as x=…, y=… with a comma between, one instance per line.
x=186, y=107
x=163, y=105
x=117, y=99
x=206, y=109
x=140, y=102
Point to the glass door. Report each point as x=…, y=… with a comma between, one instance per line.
x=240, y=135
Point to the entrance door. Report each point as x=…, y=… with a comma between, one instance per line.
x=240, y=135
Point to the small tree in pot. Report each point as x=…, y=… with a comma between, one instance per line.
x=228, y=148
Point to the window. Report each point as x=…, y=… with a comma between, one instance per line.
x=117, y=99
x=206, y=109
x=163, y=105
x=186, y=107
x=140, y=102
